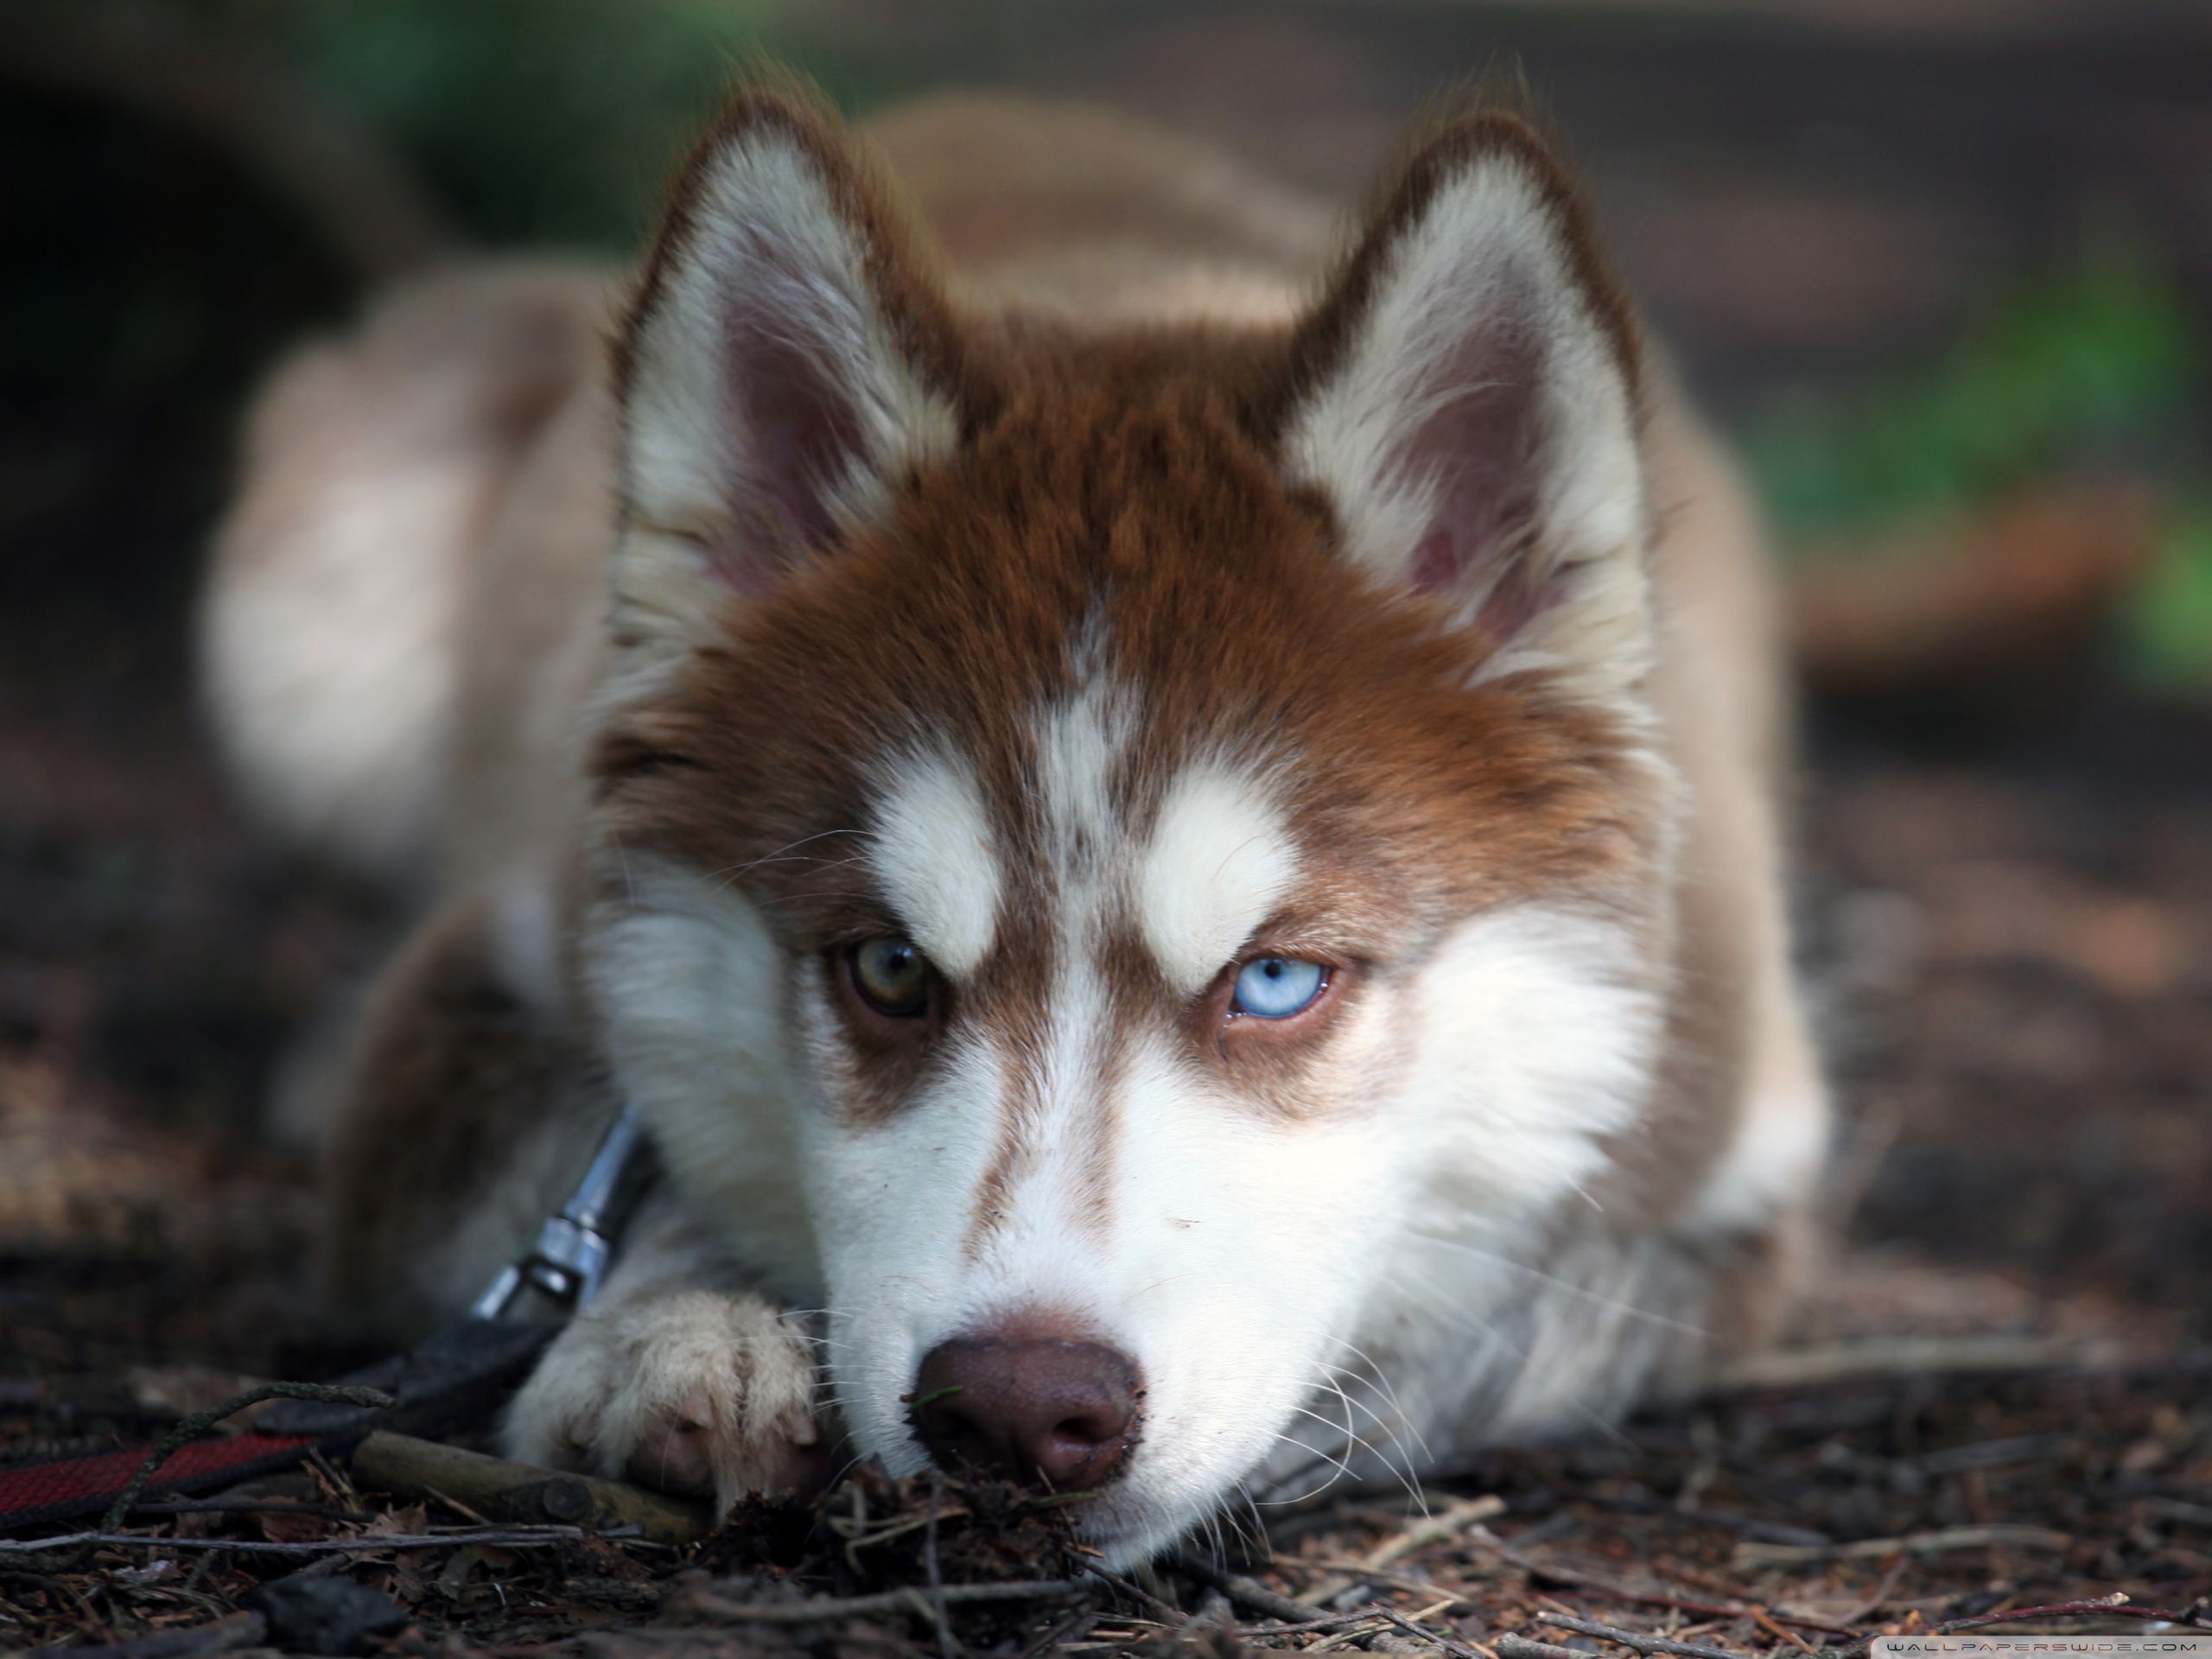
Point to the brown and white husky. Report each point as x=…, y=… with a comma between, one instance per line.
x=1175, y=835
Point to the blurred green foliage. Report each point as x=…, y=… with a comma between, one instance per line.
x=2098, y=366
x=2166, y=625
x=2092, y=364
x=554, y=122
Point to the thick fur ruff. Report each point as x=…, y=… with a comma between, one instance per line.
x=1051, y=568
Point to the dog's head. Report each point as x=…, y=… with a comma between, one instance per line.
x=1098, y=835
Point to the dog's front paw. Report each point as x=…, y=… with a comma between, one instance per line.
x=695, y=1392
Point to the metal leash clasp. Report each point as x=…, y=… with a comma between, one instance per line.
x=571, y=1259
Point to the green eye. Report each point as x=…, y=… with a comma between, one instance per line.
x=892, y=977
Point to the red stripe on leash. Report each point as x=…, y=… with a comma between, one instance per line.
x=54, y=1492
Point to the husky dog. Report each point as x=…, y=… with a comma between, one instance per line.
x=1175, y=833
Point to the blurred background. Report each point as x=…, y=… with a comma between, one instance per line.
x=1943, y=267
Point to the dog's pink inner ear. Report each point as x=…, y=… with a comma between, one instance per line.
x=1477, y=450
x=798, y=438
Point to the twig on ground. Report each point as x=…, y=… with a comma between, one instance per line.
x=1334, y=1622
x=1589, y=1584
x=1456, y=1518
x=1451, y=1645
x=2114, y=1603
x=1252, y=1594
x=1804, y=1368
x=246, y=1506
x=1071, y=1629
x=1766, y=1623
x=1344, y=1639
x=513, y=1494
x=510, y=1538
x=459, y=1508
x=1404, y=1581
x=1638, y=1639
x=908, y=1599
x=189, y=1429
x=1173, y=1615
x=1434, y=1529
x=1510, y=1646
x=1715, y=1609
x=1882, y=1592
x=331, y=1476
x=1943, y=1539
x=938, y=1614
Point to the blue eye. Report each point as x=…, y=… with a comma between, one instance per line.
x=1274, y=987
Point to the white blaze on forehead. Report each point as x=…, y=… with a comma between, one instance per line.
x=1221, y=859
x=931, y=851
x=1080, y=741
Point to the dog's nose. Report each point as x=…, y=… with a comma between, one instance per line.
x=1031, y=1408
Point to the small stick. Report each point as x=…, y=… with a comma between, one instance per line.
x=1766, y=1623
x=1404, y=1581
x=909, y=1599
x=2114, y=1603
x=1940, y=1541
x=1451, y=1645
x=1253, y=1595
x=1510, y=1646
x=521, y=1492
x=200, y=1422
x=1173, y=1615
x=457, y=1507
x=1345, y=1638
x=1334, y=1622
x=245, y=1506
x=334, y=1477
x=938, y=1614
x=511, y=1539
x=1432, y=1529
x=1904, y=1357
x=1073, y=1627
x=1873, y=1604
x=1590, y=1585
x=1638, y=1639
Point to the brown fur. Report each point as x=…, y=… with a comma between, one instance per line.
x=459, y=1070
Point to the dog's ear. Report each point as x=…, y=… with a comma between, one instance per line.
x=789, y=359
x=1466, y=400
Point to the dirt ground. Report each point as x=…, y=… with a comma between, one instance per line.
x=2006, y=897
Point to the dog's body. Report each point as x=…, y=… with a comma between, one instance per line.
x=1014, y=699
